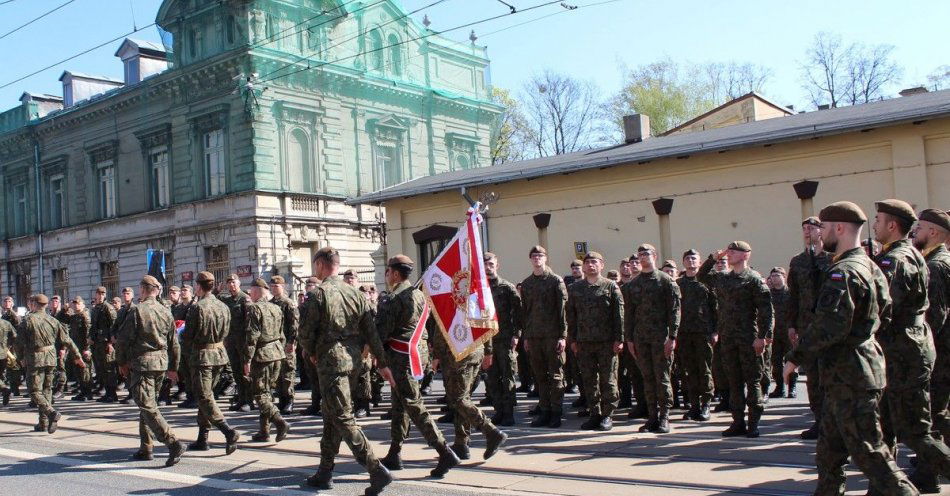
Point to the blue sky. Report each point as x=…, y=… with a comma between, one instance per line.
x=589, y=43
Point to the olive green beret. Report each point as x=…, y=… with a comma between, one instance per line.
x=740, y=246
x=897, y=208
x=128, y=289
x=40, y=299
x=205, y=276
x=148, y=281
x=937, y=217
x=646, y=247
x=233, y=277
x=812, y=221
x=779, y=270
x=398, y=260
x=843, y=211
x=669, y=263
x=488, y=256
x=689, y=252
x=576, y=263
x=101, y=289
x=612, y=274
x=277, y=280
x=174, y=288
x=260, y=283
x=594, y=255
x=537, y=249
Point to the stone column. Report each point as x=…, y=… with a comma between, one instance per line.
x=663, y=207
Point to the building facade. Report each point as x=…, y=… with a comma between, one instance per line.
x=236, y=150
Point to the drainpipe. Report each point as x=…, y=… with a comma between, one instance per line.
x=39, y=213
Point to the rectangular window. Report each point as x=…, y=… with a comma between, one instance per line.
x=24, y=288
x=61, y=283
x=106, y=173
x=20, y=209
x=57, y=201
x=109, y=276
x=158, y=163
x=387, y=165
x=218, y=262
x=213, y=143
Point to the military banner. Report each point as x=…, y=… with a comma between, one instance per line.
x=458, y=293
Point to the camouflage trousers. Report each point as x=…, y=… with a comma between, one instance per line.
x=286, y=377
x=362, y=387
x=695, y=353
x=850, y=427
x=264, y=377
x=339, y=425
x=204, y=379
x=629, y=377
x=720, y=380
x=311, y=370
x=242, y=385
x=184, y=373
x=408, y=405
x=656, y=369
x=459, y=378
x=940, y=390
x=525, y=371
x=599, y=374
x=905, y=417
x=766, y=357
x=3, y=371
x=547, y=366
x=500, y=384
x=82, y=376
x=144, y=386
x=744, y=370
x=780, y=347
x=40, y=384
x=107, y=373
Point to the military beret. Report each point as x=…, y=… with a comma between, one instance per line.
x=537, y=249
x=368, y=286
x=780, y=270
x=576, y=263
x=669, y=263
x=843, y=211
x=40, y=299
x=146, y=281
x=187, y=286
x=277, y=280
x=260, y=283
x=937, y=217
x=399, y=260
x=488, y=256
x=740, y=246
x=78, y=299
x=897, y=208
x=55, y=297
x=128, y=289
x=690, y=251
x=101, y=289
x=350, y=272
x=646, y=247
x=327, y=253
x=812, y=221
x=233, y=277
x=205, y=276
x=313, y=280
x=611, y=274
x=174, y=288
x=593, y=254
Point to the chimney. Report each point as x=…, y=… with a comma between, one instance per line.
x=636, y=128
x=141, y=59
x=913, y=91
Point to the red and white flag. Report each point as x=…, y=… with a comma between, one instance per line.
x=179, y=327
x=458, y=293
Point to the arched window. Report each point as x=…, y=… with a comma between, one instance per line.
x=298, y=161
x=375, y=50
x=395, y=55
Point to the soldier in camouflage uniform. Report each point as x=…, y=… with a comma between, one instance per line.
x=805, y=273
x=780, y=342
x=397, y=321
x=376, y=381
x=651, y=322
x=36, y=350
x=237, y=302
x=595, y=330
x=696, y=337
x=362, y=392
x=13, y=374
x=206, y=328
x=7, y=340
x=746, y=319
x=58, y=311
x=308, y=367
x=500, y=384
x=908, y=346
x=264, y=356
x=146, y=349
x=337, y=324
x=288, y=366
x=851, y=305
x=180, y=312
x=930, y=237
x=720, y=381
x=103, y=317
x=80, y=331
x=128, y=301
x=543, y=296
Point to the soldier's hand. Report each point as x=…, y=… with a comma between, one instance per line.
x=632, y=348
x=87, y=354
x=172, y=376
x=714, y=338
x=618, y=347
x=79, y=363
x=719, y=254
x=562, y=345
x=668, y=346
x=486, y=362
x=575, y=347
x=290, y=348
x=387, y=374
x=365, y=351
x=789, y=369
x=62, y=354
x=793, y=336
x=514, y=343
x=759, y=346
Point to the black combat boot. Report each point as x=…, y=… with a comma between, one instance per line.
x=392, y=460
x=542, y=420
x=362, y=409
x=262, y=435
x=175, y=450
x=591, y=423
x=651, y=424
x=288, y=408
x=281, y=427
x=494, y=439
x=736, y=429
x=231, y=437
x=692, y=413
x=462, y=451
x=447, y=460
x=555, y=421
x=143, y=454
x=323, y=479
x=52, y=420
x=605, y=424
x=378, y=480
x=811, y=433
x=753, y=427
x=200, y=444
x=703, y=415
x=778, y=392
x=925, y=481
x=662, y=424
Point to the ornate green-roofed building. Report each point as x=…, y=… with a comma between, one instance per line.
x=234, y=146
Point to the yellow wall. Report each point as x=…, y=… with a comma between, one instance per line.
x=741, y=194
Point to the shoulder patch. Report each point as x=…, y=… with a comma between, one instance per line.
x=837, y=276
x=886, y=262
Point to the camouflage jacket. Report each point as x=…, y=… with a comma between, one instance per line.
x=543, y=299
x=905, y=337
x=80, y=329
x=237, y=304
x=805, y=273
x=594, y=312
x=120, y=317
x=180, y=310
x=147, y=339
x=7, y=338
x=938, y=292
x=339, y=322
x=37, y=338
x=508, y=308
x=851, y=303
x=652, y=307
x=62, y=316
x=698, y=307
x=265, y=338
x=745, y=305
x=102, y=318
x=398, y=313
x=206, y=327
x=291, y=317
x=780, y=299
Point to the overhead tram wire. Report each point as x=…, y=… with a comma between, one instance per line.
x=31, y=21
x=409, y=40
x=324, y=12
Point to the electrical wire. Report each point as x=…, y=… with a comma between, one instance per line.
x=31, y=21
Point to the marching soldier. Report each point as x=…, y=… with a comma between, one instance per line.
x=206, y=328
x=309, y=369
x=36, y=349
x=14, y=372
x=746, y=317
x=264, y=356
x=398, y=321
x=595, y=329
x=851, y=304
x=338, y=322
x=696, y=337
x=128, y=301
x=501, y=375
x=7, y=340
x=180, y=313
x=147, y=349
x=80, y=331
x=58, y=311
x=908, y=347
x=237, y=302
x=102, y=317
x=544, y=295
x=288, y=366
x=780, y=343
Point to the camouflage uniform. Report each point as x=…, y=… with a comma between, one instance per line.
x=308, y=367
x=180, y=312
x=148, y=343
x=264, y=350
x=909, y=351
x=500, y=384
x=745, y=313
x=938, y=318
x=80, y=329
x=206, y=327
x=543, y=298
x=103, y=316
x=287, y=375
x=36, y=346
x=694, y=344
x=60, y=377
x=14, y=374
x=652, y=315
x=852, y=301
x=338, y=321
x=234, y=344
x=7, y=340
x=805, y=273
x=780, y=342
x=595, y=323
